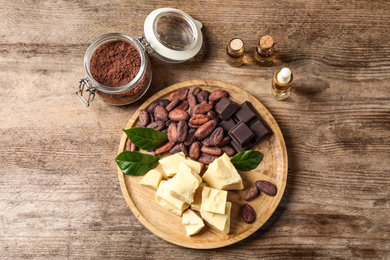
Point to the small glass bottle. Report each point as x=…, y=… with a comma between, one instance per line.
x=281, y=84
x=235, y=52
x=265, y=51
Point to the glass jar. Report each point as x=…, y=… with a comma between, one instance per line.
x=171, y=34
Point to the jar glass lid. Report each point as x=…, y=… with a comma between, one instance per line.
x=172, y=34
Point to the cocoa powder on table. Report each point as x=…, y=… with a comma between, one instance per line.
x=115, y=63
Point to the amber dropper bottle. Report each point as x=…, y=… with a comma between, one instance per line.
x=281, y=84
x=265, y=51
x=235, y=52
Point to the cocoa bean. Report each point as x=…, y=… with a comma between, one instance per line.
x=194, y=90
x=206, y=158
x=216, y=136
x=160, y=113
x=151, y=117
x=184, y=149
x=183, y=105
x=178, y=115
x=203, y=108
x=172, y=104
x=172, y=132
x=180, y=93
x=190, y=137
x=182, y=131
x=206, y=142
x=248, y=214
x=192, y=101
x=213, y=116
x=153, y=106
x=169, y=122
x=175, y=149
x=199, y=119
x=203, y=95
x=129, y=146
x=204, y=102
x=251, y=194
x=157, y=125
x=164, y=102
x=228, y=150
x=194, y=151
x=211, y=150
x=143, y=118
x=218, y=94
x=165, y=131
x=266, y=187
x=206, y=129
x=191, y=111
x=211, y=103
x=223, y=142
x=193, y=126
x=165, y=148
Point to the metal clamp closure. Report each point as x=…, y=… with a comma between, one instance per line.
x=85, y=85
x=144, y=43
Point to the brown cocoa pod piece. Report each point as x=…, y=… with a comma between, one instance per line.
x=160, y=113
x=223, y=142
x=206, y=158
x=195, y=90
x=151, y=117
x=192, y=101
x=165, y=131
x=169, y=122
x=248, y=214
x=184, y=149
x=157, y=125
x=216, y=136
x=194, y=151
x=213, y=116
x=183, y=105
x=211, y=150
x=206, y=129
x=218, y=94
x=180, y=94
x=203, y=95
x=164, y=102
x=251, y=194
x=206, y=142
x=172, y=104
x=175, y=149
x=203, y=108
x=172, y=132
x=153, y=106
x=164, y=148
x=266, y=187
x=190, y=137
x=199, y=119
x=178, y=115
x=143, y=118
x=194, y=126
x=182, y=131
x=228, y=150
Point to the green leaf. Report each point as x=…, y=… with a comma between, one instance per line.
x=136, y=163
x=146, y=138
x=247, y=160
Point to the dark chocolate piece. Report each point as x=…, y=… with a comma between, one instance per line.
x=261, y=131
x=238, y=148
x=226, y=108
x=245, y=113
x=241, y=134
x=227, y=124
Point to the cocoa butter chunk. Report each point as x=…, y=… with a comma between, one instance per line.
x=226, y=108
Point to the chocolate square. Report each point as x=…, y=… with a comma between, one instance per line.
x=260, y=129
x=226, y=108
x=227, y=124
x=241, y=134
x=246, y=112
x=238, y=148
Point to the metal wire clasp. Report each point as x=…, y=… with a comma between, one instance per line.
x=85, y=85
x=144, y=43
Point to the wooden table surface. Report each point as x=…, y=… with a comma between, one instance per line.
x=59, y=191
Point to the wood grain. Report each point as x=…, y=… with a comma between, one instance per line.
x=59, y=192
x=273, y=168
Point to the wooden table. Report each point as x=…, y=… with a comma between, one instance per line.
x=59, y=193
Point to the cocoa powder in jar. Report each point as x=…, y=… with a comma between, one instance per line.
x=115, y=64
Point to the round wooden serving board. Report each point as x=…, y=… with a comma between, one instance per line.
x=272, y=168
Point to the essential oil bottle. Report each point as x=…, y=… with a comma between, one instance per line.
x=281, y=84
x=235, y=52
x=265, y=51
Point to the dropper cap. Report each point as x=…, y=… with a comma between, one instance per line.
x=284, y=75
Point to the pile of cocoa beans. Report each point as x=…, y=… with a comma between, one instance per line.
x=190, y=122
